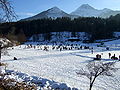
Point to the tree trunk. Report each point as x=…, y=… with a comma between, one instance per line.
x=90, y=86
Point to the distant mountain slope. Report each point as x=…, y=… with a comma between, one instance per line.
x=109, y=13
x=54, y=12
x=84, y=10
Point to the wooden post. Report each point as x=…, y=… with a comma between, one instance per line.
x=0, y=52
x=0, y=60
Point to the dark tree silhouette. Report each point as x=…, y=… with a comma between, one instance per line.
x=7, y=14
x=95, y=69
x=6, y=11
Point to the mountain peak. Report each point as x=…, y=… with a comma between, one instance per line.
x=106, y=9
x=54, y=9
x=85, y=10
x=53, y=12
x=86, y=6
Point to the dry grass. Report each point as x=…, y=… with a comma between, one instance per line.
x=3, y=64
x=11, y=84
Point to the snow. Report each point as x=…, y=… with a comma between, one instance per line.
x=55, y=10
x=53, y=13
x=60, y=36
x=117, y=34
x=86, y=10
x=2, y=69
x=5, y=41
x=106, y=10
x=57, y=69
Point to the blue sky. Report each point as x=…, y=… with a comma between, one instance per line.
x=27, y=8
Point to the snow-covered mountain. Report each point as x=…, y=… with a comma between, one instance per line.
x=54, y=12
x=108, y=13
x=86, y=10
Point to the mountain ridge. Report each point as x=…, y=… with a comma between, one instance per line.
x=85, y=10
x=53, y=13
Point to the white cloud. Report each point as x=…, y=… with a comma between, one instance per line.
x=22, y=15
x=25, y=14
x=30, y=14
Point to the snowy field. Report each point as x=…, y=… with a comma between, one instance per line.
x=58, y=69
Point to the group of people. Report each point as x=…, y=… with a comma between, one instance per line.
x=60, y=47
x=63, y=47
x=114, y=57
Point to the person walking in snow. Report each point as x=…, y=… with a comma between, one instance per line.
x=107, y=48
x=14, y=58
x=92, y=51
x=109, y=55
x=119, y=57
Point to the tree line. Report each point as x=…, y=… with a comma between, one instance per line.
x=99, y=28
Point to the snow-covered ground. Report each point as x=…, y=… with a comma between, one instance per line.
x=58, y=68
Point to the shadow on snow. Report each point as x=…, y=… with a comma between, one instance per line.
x=40, y=82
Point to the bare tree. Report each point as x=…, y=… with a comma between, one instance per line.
x=95, y=69
x=6, y=11
x=7, y=14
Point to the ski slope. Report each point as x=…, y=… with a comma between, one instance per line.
x=58, y=68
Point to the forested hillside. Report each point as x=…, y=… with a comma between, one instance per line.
x=99, y=28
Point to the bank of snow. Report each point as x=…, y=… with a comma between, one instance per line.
x=58, y=69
